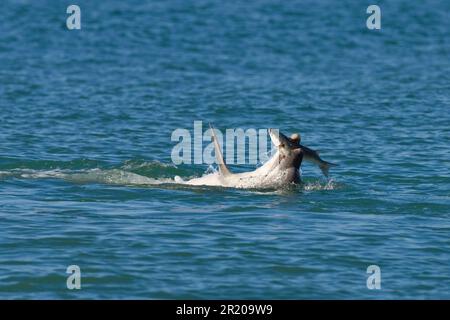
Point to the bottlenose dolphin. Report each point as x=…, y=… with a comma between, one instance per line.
x=280, y=170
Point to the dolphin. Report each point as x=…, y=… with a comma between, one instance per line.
x=282, y=169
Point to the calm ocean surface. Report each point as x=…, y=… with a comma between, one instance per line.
x=86, y=118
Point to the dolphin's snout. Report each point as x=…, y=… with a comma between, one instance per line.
x=274, y=136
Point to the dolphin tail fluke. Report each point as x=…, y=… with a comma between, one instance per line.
x=219, y=158
x=325, y=167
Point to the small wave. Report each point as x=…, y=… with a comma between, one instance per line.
x=321, y=185
x=141, y=164
x=40, y=174
x=131, y=172
x=155, y=169
x=5, y=174
x=31, y=173
x=115, y=176
x=109, y=176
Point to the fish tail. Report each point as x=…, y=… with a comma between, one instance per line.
x=325, y=167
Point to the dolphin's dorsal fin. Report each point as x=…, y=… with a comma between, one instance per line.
x=219, y=158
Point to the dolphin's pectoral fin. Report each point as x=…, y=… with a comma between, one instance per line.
x=219, y=158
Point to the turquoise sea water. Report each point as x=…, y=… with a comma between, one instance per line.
x=86, y=118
